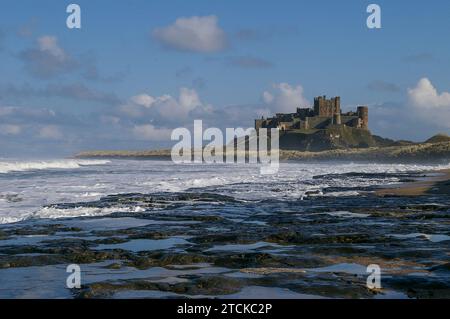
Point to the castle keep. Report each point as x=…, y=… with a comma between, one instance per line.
x=326, y=113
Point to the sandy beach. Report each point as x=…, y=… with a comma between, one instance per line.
x=440, y=183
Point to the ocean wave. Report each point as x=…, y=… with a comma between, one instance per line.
x=51, y=212
x=54, y=212
x=37, y=196
x=7, y=167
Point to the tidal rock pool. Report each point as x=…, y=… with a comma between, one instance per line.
x=228, y=238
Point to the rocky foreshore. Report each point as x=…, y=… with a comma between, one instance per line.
x=201, y=245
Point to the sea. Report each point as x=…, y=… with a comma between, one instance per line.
x=156, y=229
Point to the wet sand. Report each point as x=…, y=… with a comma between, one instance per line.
x=440, y=183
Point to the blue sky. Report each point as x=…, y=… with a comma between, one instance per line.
x=132, y=72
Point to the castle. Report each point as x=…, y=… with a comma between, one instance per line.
x=325, y=114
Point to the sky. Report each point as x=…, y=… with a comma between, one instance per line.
x=136, y=70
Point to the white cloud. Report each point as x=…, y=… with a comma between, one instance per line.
x=10, y=129
x=50, y=45
x=195, y=34
x=109, y=119
x=285, y=98
x=75, y=91
x=189, y=99
x=426, y=95
x=165, y=106
x=151, y=133
x=267, y=97
x=50, y=132
x=143, y=100
x=47, y=58
x=428, y=104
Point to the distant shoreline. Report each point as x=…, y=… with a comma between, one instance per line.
x=417, y=153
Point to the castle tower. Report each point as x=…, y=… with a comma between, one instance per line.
x=337, y=118
x=318, y=104
x=306, y=123
x=327, y=107
x=260, y=123
x=363, y=114
x=337, y=105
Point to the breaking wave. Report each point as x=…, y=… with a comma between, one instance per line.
x=36, y=196
x=7, y=167
x=51, y=212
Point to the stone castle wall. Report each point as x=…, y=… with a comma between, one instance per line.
x=325, y=113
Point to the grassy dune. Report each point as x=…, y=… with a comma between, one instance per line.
x=405, y=153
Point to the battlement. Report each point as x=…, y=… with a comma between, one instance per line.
x=324, y=114
x=327, y=107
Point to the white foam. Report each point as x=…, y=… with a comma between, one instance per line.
x=7, y=167
x=341, y=194
x=56, y=213
x=346, y=214
x=10, y=219
x=53, y=212
x=91, y=194
x=35, y=194
x=435, y=238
